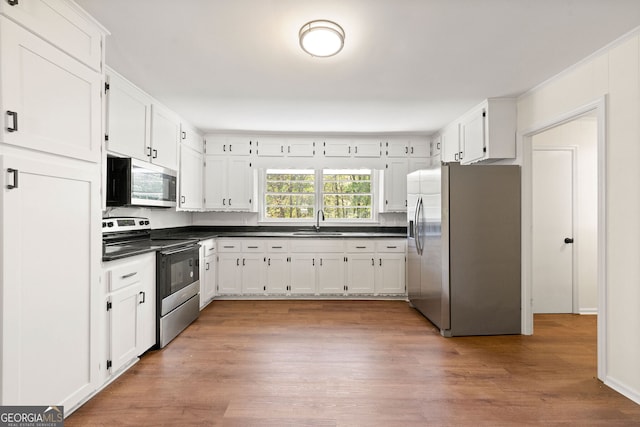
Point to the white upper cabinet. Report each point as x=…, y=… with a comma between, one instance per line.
x=128, y=118
x=50, y=101
x=271, y=147
x=394, y=186
x=191, y=177
x=450, y=140
x=486, y=132
x=419, y=148
x=335, y=147
x=62, y=24
x=489, y=131
x=165, y=131
x=393, y=148
x=191, y=138
x=367, y=148
x=229, y=145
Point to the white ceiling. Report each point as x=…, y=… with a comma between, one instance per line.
x=407, y=65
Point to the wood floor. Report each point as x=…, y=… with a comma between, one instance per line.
x=359, y=363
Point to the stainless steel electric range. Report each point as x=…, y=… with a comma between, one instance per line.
x=177, y=271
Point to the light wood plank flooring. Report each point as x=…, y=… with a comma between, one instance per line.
x=360, y=363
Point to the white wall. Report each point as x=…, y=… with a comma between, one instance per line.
x=614, y=72
x=160, y=218
x=582, y=133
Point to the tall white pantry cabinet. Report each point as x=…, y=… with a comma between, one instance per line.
x=51, y=77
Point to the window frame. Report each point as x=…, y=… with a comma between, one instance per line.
x=319, y=193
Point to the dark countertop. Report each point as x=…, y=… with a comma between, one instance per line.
x=114, y=252
x=203, y=233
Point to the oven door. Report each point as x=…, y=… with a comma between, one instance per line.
x=178, y=276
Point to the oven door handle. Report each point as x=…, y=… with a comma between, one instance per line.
x=175, y=251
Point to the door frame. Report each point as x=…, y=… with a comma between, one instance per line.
x=598, y=106
x=575, y=285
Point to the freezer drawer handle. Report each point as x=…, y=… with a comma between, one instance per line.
x=14, y=126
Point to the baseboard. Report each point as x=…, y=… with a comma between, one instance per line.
x=623, y=390
x=588, y=311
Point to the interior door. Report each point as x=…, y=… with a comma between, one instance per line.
x=552, y=230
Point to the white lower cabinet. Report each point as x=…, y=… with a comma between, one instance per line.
x=278, y=277
x=131, y=309
x=390, y=267
x=330, y=268
x=303, y=274
x=311, y=267
x=207, y=271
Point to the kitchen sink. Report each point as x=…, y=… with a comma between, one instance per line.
x=317, y=233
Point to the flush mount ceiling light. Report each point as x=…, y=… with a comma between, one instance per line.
x=321, y=38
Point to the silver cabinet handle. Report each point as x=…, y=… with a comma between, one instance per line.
x=144, y=297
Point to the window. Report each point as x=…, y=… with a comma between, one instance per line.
x=289, y=194
x=346, y=194
x=298, y=194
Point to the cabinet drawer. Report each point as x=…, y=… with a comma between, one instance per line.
x=125, y=275
x=391, y=246
x=209, y=246
x=61, y=24
x=317, y=245
x=229, y=245
x=278, y=246
x=360, y=246
x=253, y=245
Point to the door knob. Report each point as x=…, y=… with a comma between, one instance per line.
x=568, y=240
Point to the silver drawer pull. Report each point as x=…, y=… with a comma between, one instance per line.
x=392, y=247
x=126, y=276
x=252, y=247
x=212, y=249
x=361, y=247
x=228, y=247
x=276, y=247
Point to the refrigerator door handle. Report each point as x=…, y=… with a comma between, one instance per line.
x=417, y=225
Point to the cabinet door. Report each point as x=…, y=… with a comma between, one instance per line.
x=124, y=326
x=395, y=186
x=191, y=169
x=361, y=273
x=253, y=274
x=229, y=274
x=390, y=275
x=303, y=274
x=419, y=148
x=301, y=148
x=191, y=138
x=338, y=148
x=396, y=148
x=270, y=147
x=62, y=25
x=62, y=290
x=367, y=149
x=240, y=184
x=472, y=136
x=277, y=274
x=208, y=291
x=50, y=102
x=229, y=145
x=165, y=130
x=450, y=141
x=147, y=303
x=128, y=119
x=330, y=273
x=418, y=163
x=215, y=182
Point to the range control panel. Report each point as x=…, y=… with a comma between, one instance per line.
x=117, y=224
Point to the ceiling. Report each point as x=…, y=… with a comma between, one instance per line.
x=407, y=65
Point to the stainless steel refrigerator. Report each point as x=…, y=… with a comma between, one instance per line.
x=464, y=248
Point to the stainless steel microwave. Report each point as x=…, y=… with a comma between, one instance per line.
x=132, y=182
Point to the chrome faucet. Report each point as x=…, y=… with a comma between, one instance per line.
x=318, y=219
